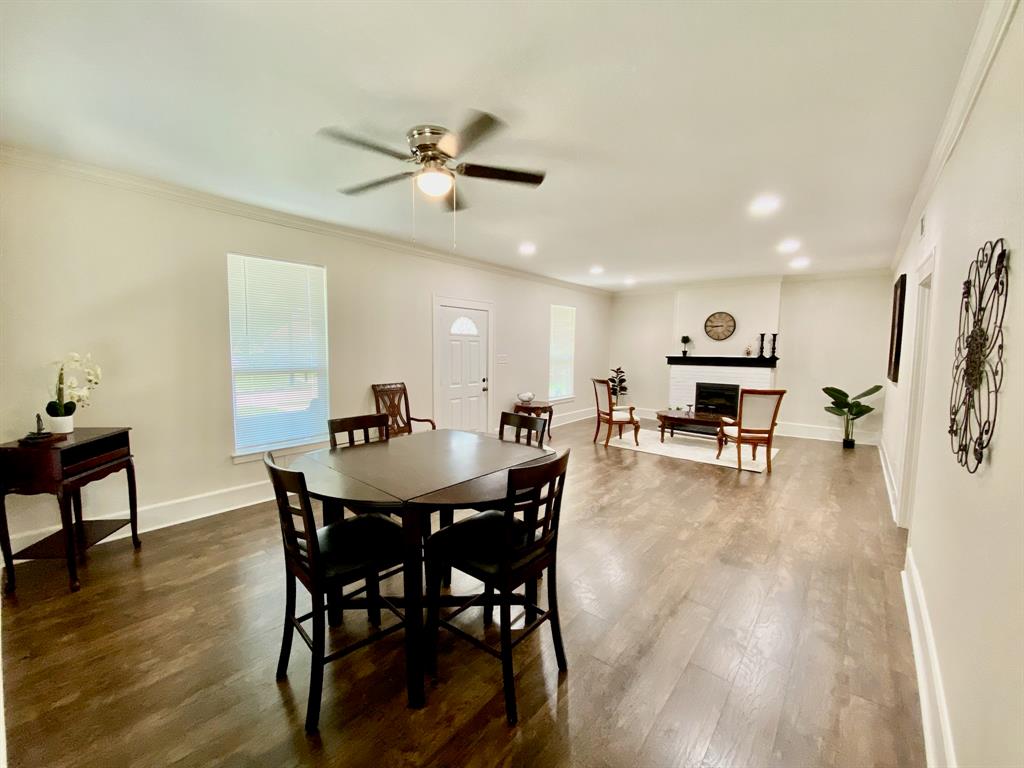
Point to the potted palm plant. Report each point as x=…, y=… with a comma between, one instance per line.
x=850, y=408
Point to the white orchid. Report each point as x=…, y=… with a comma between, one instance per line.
x=68, y=389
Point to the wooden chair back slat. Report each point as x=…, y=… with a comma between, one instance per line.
x=603, y=391
x=521, y=422
x=351, y=425
x=393, y=399
x=535, y=493
x=298, y=525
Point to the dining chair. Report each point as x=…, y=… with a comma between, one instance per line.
x=325, y=560
x=612, y=414
x=754, y=425
x=522, y=423
x=504, y=548
x=352, y=425
x=393, y=399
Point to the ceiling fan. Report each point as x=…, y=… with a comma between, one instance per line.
x=433, y=148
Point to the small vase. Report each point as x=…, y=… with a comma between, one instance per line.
x=61, y=425
x=684, y=353
x=849, y=442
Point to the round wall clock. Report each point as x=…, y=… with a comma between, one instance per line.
x=719, y=326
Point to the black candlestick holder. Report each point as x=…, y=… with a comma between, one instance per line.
x=775, y=337
x=760, y=349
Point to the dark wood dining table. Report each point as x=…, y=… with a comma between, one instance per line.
x=413, y=476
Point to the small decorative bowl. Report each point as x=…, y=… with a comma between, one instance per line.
x=526, y=397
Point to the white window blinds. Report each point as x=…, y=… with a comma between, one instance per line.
x=278, y=319
x=563, y=344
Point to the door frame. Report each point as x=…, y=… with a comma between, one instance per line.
x=912, y=442
x=477, y=304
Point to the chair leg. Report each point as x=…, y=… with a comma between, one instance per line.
x=739, y=455
x=768, y=455
x=597, y=429
x=608, y=437
x=508, y=674
x=620, y=431
x=556, y=625
x=447, y=518
x=722, y=440
x=753, y=451
x=434, y=576
x=636, y=433
x=373, y=598
x=488, y=605
x=531, y=600
x=289, y=630
x=316, y=666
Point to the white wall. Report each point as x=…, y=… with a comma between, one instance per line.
x=138, y=278
x=754, y=304
x=833, y=331
x=966, y=554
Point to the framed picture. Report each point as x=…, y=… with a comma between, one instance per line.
x=899, y=295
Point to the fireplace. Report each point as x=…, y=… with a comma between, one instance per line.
x=716, y=399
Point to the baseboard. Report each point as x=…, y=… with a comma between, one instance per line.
x=890, y=482
x=818, y=432
x=569, y=417
x=938, y=738
x=165, y=513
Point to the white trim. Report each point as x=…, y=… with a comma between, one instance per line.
x=890, y=483
x=284, y=450
x=938, y=736
x=818, y=432
x=561, y=419
x=988, y=36
x=27, y=158
x=480, y=305
x=172, y=512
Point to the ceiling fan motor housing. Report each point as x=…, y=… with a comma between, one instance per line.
x=423, y=140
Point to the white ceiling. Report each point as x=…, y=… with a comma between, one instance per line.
x=657, y=123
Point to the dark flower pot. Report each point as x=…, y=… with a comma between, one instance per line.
x=849, y=442
x=684, y=353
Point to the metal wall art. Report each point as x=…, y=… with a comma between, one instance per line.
x=978, y=356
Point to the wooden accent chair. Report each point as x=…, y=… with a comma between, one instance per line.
x=754, y=425
x=505, y=549
x=521, y=422
x=393, y=399
x=612, y=414
x=363, y=548
x=350, y=425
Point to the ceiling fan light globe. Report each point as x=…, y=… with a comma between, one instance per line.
x=434, y=183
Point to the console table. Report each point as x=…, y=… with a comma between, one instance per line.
x=62, y=468
x=673, y=420
x=537, y=408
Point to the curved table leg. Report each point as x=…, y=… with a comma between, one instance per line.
x=5, y=545
x=64, y=501
x=133, y=503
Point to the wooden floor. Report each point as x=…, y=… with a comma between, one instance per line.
x=711, y=618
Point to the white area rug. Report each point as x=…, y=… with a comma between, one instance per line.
x=691, y=449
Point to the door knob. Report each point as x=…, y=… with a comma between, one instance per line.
x=484, y=389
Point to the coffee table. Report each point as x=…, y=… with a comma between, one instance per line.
x=672, y=420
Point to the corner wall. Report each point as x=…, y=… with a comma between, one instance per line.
x=965, y=569
x=135, y=272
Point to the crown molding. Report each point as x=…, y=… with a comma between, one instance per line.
x=988, y=36
x=39, y=161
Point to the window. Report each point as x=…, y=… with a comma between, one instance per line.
x=463, y=326
x=563, y=344
x=278, y=320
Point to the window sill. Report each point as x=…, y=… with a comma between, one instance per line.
x=285, y=450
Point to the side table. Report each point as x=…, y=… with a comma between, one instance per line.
x=537, y=408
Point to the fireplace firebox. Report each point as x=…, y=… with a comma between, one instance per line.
x=716, y=400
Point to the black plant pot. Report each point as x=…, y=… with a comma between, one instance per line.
x=684, y=353
x=849, y=442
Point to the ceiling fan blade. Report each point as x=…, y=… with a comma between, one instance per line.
x=500, y=174
x=358, y=141
x=480, y=126
x=360, y=188
x=453, y=197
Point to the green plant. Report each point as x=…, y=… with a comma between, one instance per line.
x=68, y=395
x=850, y=408
x=618, y=383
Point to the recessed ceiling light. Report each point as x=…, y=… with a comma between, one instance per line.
x=764, y=205
x=800, y=262
x=597, y=269
x=630, y=281
x=526, y=248
x=789, y=245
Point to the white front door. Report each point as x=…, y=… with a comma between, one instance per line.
x=460, y=358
